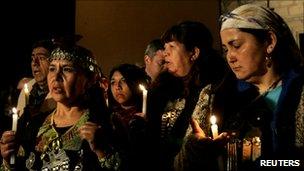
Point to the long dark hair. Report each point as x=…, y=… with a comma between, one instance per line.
x=134, y=76
x=286, y=54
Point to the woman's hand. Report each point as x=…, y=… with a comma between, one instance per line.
x=203, y=145
x=197, y=130
x=141, y=115
x=223, y=138
x=88, y=132
x=8, y=144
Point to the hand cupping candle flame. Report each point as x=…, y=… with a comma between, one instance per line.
x=214, y=127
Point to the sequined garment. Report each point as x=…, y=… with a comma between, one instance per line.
x=202, y=111
x=172, y=112
x=53, y=147
x=299, y=118
x=64, y=150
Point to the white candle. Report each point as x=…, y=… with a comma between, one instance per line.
x=26, y=92
x=214, y=127
x=14, y=128
x=145, y=93
x=15, y=119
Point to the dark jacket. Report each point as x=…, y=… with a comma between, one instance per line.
x=242, y=110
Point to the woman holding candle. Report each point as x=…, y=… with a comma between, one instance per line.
x=192, y=63
x=126, y=102
x=262, y=101
x=75, y=135
x=36, y=88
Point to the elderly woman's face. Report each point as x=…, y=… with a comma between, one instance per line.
x=66, y=82
x=177, y=59
x=119, y=88
x=244, y=54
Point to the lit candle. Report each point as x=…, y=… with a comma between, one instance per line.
x=26, y=92
x=15, y=119
x=145, y=93
x=256, y=148
x=214, y=127
x=14, y=128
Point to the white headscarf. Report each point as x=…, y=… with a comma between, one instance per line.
x=252, y=17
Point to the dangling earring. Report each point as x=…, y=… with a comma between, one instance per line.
x=193, y=58
x=268, y=61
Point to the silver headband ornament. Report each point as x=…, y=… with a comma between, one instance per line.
x=85, y=61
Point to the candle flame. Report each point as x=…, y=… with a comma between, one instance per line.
x=14, y=110
x=213, y=119
x=142, y=87
x=26, y=90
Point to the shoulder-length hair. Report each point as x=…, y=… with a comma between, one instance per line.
x=134, y=76
x=209, y=66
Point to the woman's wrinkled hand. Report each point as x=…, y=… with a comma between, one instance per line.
x=88, y=132
x=8, y=144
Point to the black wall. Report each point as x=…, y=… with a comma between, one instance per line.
x=302, y=43
x=24, y=22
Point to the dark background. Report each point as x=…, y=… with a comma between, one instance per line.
x=302, y=43
x=23, y=23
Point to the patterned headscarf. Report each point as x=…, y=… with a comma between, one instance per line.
x=251, y=16
x=286, y=53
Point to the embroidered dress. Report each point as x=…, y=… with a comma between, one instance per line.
x=62, y=149
x=55, y=150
